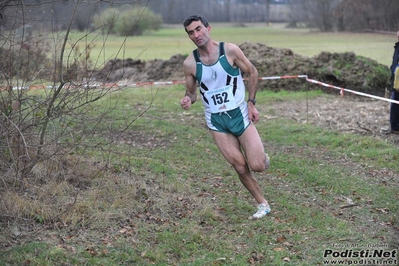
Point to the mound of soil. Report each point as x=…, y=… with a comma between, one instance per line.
x=339, y=69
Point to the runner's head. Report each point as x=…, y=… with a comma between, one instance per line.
x=190, y=19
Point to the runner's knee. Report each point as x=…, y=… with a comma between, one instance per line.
x=258, y=166
x=241, y=168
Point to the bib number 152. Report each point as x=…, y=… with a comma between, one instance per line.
x=220, y=98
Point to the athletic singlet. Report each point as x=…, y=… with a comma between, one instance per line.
x=222, y=91
x=217, y=81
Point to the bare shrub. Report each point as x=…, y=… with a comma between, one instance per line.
x=48, y=136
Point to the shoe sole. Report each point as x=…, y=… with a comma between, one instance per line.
x=254, y=217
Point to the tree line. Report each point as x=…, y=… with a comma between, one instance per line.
x=326, y=15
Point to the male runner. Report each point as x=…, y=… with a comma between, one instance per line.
x=217, y=66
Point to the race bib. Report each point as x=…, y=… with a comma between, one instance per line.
x=221, y=100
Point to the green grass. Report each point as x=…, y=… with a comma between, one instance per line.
x=173, y=200
x=173, y=40
x=162, y=194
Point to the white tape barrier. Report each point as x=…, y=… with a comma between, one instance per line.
x=174, y=82
x=284, y=77
x=351, y=91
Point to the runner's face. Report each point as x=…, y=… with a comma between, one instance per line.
x=198, y=33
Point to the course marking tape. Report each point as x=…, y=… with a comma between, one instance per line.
x=174, y=82
x=326, y=85
x=283, y=77
x=351, y=91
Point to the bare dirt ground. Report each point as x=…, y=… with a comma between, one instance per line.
x=347, y=114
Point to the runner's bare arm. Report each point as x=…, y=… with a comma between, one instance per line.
x=190, y=96
x=241, y=61
x=238, y=58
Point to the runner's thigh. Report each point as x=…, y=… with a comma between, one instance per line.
x=252, y=145
x=229, y=146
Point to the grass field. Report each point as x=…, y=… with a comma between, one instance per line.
x=162, y=194
x=171, y=199
x=173, y=40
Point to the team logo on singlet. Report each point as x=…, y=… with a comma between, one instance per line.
x=213, y=74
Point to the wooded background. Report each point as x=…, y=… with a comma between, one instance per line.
x=326, y=15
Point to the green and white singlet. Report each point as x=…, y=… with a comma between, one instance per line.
x=222, y=91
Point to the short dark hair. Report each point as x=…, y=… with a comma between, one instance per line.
x=190, y=19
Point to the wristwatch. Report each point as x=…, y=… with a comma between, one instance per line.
x=253, y=101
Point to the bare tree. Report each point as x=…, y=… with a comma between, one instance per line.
x=341, y=15
x=62, y=118
x=316, y=13
x=369, y=15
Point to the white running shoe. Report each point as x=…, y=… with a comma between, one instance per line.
x=263, y=209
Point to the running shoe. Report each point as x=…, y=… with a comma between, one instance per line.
x=263, y=209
